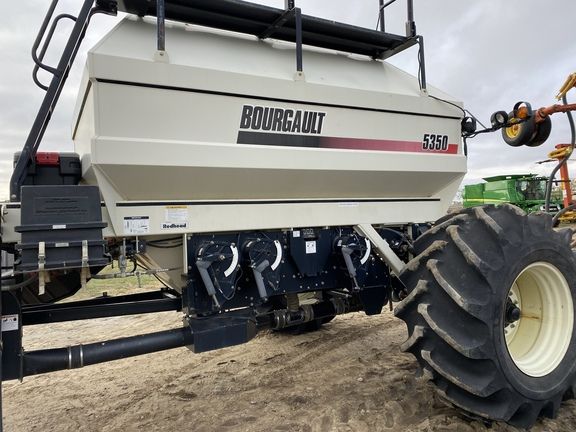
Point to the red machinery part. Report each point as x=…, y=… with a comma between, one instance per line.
x=48, y=158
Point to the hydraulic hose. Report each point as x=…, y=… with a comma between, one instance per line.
x=563, y=161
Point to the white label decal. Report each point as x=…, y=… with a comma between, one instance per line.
x=177, y=214
x=311, y=247
x=9, y=322
x=295, y=234
x=136, y=225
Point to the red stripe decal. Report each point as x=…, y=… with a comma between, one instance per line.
x=381, y=145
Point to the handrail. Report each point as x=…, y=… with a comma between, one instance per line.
x=410, y=23
x=40, y=36
x=38, y=59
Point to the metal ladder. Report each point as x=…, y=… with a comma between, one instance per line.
x=59, y=76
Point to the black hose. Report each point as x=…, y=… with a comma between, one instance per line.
x=167, y=243
x=20, y=285
x=550, y=182
x=159, y=246
x=165, y=240
x=563, y=161
x=571, y=122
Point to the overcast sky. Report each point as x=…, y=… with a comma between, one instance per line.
x=487, y=53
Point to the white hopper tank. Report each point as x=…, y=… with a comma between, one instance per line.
x=221, y=134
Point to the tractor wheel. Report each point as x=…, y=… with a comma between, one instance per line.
x=490, y=313
x=520, y=132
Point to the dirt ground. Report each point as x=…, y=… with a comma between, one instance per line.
x=349, y=376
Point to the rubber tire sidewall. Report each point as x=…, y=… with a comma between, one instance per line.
x=543, y=131
x=548, y=386
x=527, y=133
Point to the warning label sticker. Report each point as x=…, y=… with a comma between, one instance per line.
x=310, y=247
x=176, y=214
x=9, y=322
x=136, y=225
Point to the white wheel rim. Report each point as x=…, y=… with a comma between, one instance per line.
x=538, y=341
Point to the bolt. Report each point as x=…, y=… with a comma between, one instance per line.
x=512, y=313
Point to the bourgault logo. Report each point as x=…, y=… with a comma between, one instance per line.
x=269, y=119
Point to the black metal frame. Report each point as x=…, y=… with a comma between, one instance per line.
x=255, y=19
x=17, y=363
x=290, y=12
x=199, y=333
x=353, y=286
x=102, y=307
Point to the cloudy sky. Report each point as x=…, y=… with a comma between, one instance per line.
x=487, y=53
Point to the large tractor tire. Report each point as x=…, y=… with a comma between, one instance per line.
x=490, y=313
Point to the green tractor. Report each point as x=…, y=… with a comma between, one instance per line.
x=526, y=191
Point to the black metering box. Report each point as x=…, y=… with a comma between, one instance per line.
x=63, y=217
x=52, y=169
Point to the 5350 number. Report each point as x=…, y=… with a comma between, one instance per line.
x=433, y=142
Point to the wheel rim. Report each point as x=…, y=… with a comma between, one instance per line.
x=514, y=130
x=538, y=341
